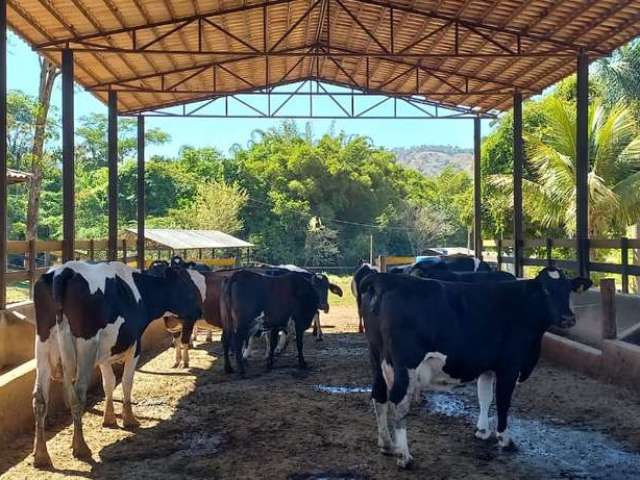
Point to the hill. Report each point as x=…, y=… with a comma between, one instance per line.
x=432, y=159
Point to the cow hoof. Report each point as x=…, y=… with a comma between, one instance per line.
x=42, y=461
x=319, y=339
x=303, y=366
x=176, y=365
x=110, y=422
x=186, y=365
x=228, y=369
x=506, y=444
x=483, y=434
x=388, y=450
x=130, y=422
x=82, y=451
x=405, y=462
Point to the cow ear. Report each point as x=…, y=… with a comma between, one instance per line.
x=580, y=284
x=335, y=289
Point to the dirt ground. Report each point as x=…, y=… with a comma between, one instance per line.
x=319, y=424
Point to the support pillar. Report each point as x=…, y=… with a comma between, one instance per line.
x=141, y=193
x=582, y=166
x=518, y=165
x=112, y=140
x=477, y=190
x=68, y=158
x=3, y=154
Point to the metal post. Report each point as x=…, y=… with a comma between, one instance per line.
x=112, y=249
x=477, y=190
x=608, y=299
x=141, y=193
x=582, y=165
x=68, y=158
x=624, y=246
x=3, y=154
x=518, y=162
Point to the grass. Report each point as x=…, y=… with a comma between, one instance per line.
x=347, y=299
x=18, y=292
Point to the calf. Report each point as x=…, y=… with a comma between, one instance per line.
x=90, y=315
x=427, y=333
x=251, y=301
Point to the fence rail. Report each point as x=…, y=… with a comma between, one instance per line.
x=625, y=245
x=26, y=262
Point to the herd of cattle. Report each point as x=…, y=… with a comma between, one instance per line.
x=431, y=325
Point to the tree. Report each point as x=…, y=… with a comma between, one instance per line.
x=48, y=74
x=321, y=244
x=217, y=206
x=426, y=226
x=614, y=176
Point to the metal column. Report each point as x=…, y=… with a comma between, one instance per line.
x=518, y=162
x=112, y=141
x=477, y=190
x=582, y=166
x=68, y=158
x=141, y=193
x=3, y=154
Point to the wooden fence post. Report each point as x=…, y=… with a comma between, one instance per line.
x=624, y=246
x=124, y=250
x=499, y=253
x=608, y=298
x=549, y=252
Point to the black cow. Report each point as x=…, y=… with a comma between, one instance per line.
x=452, y=263
x=252, y=301
x=90, y=315
x=428, y=333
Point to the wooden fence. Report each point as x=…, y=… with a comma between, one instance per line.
x=93, y=250
x=544, y=255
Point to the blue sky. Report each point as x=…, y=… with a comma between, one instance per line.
x=23, y=71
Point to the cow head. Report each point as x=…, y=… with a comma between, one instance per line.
x=558, y=288
x=185, y=301
x=322, y=286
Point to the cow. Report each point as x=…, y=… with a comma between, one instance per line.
x=452, y=263
x=428, y=333
x=362, y=272
x=252, y=301
x=90, y=315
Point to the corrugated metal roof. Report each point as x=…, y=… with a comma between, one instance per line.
x=191, y=239
x=15, y=176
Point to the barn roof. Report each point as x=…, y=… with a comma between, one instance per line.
x=454, y=52
x=16, y=176
x=178, y=239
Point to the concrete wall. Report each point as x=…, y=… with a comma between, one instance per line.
x=16, y=384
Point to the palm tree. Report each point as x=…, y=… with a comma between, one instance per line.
x=614, y=175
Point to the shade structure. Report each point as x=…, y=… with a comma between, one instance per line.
x=15, y=176
x=472, y=53
x=177, y=239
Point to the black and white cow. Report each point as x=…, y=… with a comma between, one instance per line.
x=253, y=301
x=90, y=315
x=433, y=334
x=320, y=282
x=360, y=274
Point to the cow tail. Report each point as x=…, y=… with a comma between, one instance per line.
x=225, y=304
x=66, y=341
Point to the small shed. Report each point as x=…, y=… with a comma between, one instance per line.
x=15, y=176
x=205, y=242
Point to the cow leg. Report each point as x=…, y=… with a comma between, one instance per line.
x=299, y=342
x=267, y=344
x=246, y=350
x=185, y=355
x=226, y=344
x=360, y=324
x=108, y=384
x=185, y=337
x=283, y=341
x=505, y=384
x=177, y=344
x=209, y=337
x=86, y=360
x=485, y=397
x=128, y=418
x=380, y=402
x=238, y=342
x=400, y=397
x=41, y=457
x=274, y=343
x=317, y=328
